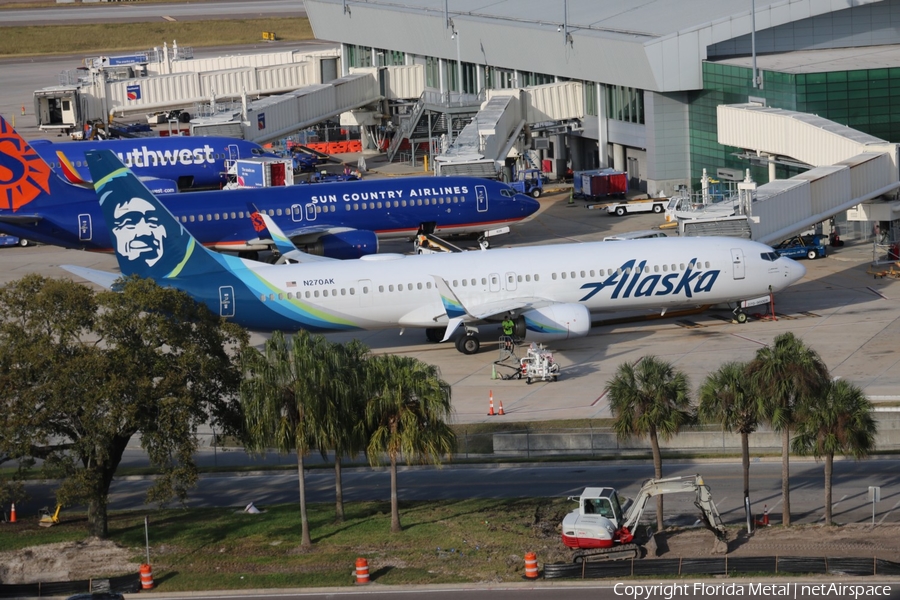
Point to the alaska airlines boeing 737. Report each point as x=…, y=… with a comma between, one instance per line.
x=549, y=291
x=338, y=220
x=191, y=162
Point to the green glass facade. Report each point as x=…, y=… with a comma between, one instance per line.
x=859, y=99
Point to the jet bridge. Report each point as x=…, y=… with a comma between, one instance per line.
x=849, y=167
x=484, y=144
x=273, y=117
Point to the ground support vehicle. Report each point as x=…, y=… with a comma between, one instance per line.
x=601, y=529
x=802, y=246
x=538, y=364
x=11, y=240
x=428, y=243
x=529, y=182
x=620, y=209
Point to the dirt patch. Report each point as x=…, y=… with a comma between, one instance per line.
x=103, y=558
x=66, y=561
x=855, y=541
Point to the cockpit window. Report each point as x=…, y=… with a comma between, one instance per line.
x=507, y=192
x=769, y=256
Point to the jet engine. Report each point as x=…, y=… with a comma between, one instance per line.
x=344, y=245
x=554, y=322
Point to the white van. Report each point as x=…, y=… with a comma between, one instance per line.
x=635, y=235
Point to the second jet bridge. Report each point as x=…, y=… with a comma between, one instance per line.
x=484, y=144
x=848, y=168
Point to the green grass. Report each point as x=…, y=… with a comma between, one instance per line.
x=107, y=38
x=449, y=541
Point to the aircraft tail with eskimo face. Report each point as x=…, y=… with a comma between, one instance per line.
x=550, y=292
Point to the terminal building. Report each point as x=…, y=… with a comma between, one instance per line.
x=639, y=87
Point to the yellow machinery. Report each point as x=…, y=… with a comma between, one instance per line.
x=48, y=520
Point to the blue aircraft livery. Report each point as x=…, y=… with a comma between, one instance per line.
x=192, y=162
x=540, y=288
x=45, y=208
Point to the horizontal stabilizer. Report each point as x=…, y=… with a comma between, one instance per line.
x=104, y=279
x=20, y=219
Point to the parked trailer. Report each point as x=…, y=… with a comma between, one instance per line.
x=602, y=184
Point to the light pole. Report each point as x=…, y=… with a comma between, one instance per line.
x=458, y=60
x=756, y=80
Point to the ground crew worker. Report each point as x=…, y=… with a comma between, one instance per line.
x=508, y=328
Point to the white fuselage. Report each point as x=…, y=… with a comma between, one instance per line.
x=384, y=291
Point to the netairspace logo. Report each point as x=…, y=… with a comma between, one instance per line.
x=668, y=591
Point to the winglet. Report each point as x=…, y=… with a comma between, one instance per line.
x=265, y=225
x=70, y=172
x=452, y=326
x=452, y=304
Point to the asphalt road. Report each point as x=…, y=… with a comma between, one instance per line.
x=851, y=482
x=589, y=590
x=136, y=13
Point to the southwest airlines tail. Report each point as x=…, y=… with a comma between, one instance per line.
x=28, y=182
x=148, y=240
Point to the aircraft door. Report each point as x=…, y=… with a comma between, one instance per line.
x=481, y=198
x=737, y=261
x=299, y=212
x=233, y=152
x=364, y=291
x=68, y=110
x=84, y=228
x=226, y=301
x=494, y=282
x=510, y=281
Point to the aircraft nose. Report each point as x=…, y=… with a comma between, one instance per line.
x=529, y=205
x=795, y=271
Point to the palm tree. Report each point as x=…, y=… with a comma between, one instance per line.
x=651, y=399
x=406, y=410
x=839, y=421
x=783, y=375
x=342, y=427
x=725, y=398
x=281, y=398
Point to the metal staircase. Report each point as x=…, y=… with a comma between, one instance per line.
x=407, y=127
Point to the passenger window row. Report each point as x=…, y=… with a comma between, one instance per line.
x=673, y=268
x=320, y=208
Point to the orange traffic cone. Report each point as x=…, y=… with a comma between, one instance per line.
x=362, y=571
x=12, y=513
x=531, y=566
x=491, y=412
x=500, y=412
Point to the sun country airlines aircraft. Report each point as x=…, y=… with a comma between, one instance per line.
x=190, y=162
x=549, y=291
x=337, y=220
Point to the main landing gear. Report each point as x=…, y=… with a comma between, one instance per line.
x=468, y=344
x=740, y=316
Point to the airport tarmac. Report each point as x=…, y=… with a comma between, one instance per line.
x=846, y=315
